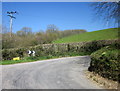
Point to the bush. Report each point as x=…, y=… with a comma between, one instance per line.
x=82, y=48
x=106, y=62
x=8, y=54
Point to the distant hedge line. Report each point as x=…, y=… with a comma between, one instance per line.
x=82, y=48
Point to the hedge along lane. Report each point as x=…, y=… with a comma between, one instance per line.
x=106, y=62
x=82, y=48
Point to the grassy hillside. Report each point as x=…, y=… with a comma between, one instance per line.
x=105, y=34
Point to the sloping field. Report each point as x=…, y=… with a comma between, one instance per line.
x=105, y=34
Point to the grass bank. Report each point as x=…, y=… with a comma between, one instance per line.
x=106, y=62
x=26, y=59
x=105, y=34
x=33, y=59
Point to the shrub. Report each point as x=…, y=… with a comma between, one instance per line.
x=106, y=62
x=8, y=54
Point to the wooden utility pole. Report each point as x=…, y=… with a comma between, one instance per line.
x=10, y=14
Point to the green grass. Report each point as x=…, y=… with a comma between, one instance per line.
x=105, y=34
x=26, y=59
x=32, y=59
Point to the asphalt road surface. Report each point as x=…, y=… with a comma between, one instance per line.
x=61, y=73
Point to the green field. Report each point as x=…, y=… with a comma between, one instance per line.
x=105, y=34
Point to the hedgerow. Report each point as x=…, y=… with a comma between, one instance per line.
x=106, y=62
x=82, y=48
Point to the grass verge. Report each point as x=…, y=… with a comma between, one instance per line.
x=32, y=59
x=27, y=59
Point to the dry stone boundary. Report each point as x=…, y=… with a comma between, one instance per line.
x=85, y=48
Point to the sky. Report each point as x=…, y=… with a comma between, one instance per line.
x=65, y=15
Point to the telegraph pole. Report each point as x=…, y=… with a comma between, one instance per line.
x=11, y=27
x=10, y=14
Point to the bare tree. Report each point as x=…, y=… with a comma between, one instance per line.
x=52, y=29
x=52, y=32
x=107, y=11
x=24, y=31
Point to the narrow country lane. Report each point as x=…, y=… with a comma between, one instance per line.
x=61, y=73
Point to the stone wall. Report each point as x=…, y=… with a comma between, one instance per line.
x=85, y=48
